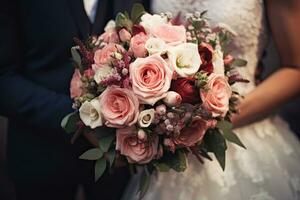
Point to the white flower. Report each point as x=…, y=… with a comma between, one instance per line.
x=146, y=117
x=218, y=61
x=185, y=59
x=102, y=72
x=155, y=45
x=110, y=25
x=90, y=113
x=149, y=21
x=172, y=99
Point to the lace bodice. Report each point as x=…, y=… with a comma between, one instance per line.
x=245, y=17
x=269, y=168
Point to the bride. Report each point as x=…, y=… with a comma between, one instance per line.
x=270, y=167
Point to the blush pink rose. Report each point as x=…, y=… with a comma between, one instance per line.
x=189, y=136
x=76, y=85
x=124, y=35
x=120, y=107
x=216, y=98
x=135, y=150
x=104, y=55
x=170, y=33
x=137, y=45
x=110, y=36
x=151, y=78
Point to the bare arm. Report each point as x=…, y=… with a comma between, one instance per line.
x=284, y=19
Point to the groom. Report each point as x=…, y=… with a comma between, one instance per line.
x=35, y=72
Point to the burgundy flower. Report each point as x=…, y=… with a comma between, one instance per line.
x=192, y=134
x=136, y=29
x=185, y=87
x=206, y=54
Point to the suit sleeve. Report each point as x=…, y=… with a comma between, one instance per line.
x=20, y=97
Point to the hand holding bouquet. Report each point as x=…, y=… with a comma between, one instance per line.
x=162, y=83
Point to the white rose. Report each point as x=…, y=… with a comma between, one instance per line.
x=146, y=117
x=218, y=61
x=172, y=99
x=185, y=59
x=155, y=45
x=102, y=72
x=90, y=113
x=110, y=25
x=149, y=21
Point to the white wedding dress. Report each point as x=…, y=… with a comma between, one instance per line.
x=270, y=167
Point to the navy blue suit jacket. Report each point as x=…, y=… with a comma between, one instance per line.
x=35, y=73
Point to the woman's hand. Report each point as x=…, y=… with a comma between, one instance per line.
x=271, y=93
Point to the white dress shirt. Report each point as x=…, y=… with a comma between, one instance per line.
x=90, y=7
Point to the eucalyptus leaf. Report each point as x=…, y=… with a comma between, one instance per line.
x=76, y=56
x=122, y=21
x=239, y=62
x=105, y=142
x=100, y=167
x=136, y=12
x=69, y=122
x=229, y=135
x=92, y=154
x=111, y=156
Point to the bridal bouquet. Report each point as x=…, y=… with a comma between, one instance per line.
x=162, y=83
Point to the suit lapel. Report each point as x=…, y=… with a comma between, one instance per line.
x=104, y=13
x=106, y=10
x=80, y=17
x=122, y=5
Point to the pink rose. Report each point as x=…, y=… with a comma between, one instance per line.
x=137, y=44
x=170, y=33
x=151, y=78
x=110, y=36
x=216, y=98
x=104, y=55
x=124, y=35
x=120, y=107
x=135, y=150
x=172, y=99
x=192, y=134
x=76, y=85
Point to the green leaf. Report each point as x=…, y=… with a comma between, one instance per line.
x=239, y=62
x=136, y=12
x=216, y=144
x=76, y=56
x=122, y=21
x=229, y=135
x=224, y=125
x=162, y=167
x=69, y=122
x=111, y=154
x=100, y=167
x=92, y=154
x=176, y=161
x=144, y=183
x=105, y=142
